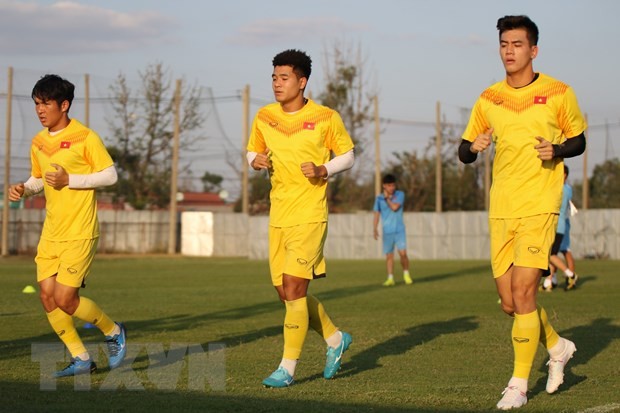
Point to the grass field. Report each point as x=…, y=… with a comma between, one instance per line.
x=441, y=344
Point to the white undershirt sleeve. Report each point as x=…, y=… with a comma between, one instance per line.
x=340, y=163
x=105, y=177
x=250, y=156
x=33, y=186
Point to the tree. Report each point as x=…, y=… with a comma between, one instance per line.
x=604, y=186
x=142, y=132
x=347, y=91
x=211, y=182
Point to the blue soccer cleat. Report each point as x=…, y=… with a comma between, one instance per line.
x=117, y=347
x=77, y=366
x=334, y=356
x=279, y=378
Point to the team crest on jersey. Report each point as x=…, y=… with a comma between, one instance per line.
x=309, y=125
x=540, y=100
x=273, y=124
x=65, y=145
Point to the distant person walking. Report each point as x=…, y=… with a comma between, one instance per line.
x=534, y=122
x=388, y=209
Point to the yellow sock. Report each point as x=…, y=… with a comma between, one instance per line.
x=62, y=323
x=525, y=339
x=296, y=323
x=548, y=336
x=319, y=320
x=91, y=313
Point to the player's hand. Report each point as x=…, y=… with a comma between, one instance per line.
x=482, y=141
x=16, y=192
x=310, y=170
x=57, y=179
x=376, y=234
x=262, y=160
x=544, y=148
x=387, y=195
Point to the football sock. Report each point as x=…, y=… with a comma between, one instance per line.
x=390, y=276
x=548, y=336
x=519, y=383
x=406, y=272
x=569, y=273
x=319, y=320
x=525, y=338
x=557, y=350
x=62, y=323
x=547, y=283
x=334, y=340
x=296, y=322
x=289, y=365
x=90, y=312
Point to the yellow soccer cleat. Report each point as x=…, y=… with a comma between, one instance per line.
x=389, y=282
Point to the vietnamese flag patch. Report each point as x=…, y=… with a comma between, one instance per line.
x=309, y=125
x=540, y=100
x=65, y=145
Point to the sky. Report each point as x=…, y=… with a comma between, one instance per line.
x=416, y=53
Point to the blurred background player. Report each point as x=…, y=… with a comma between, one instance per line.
x=534, y=122
x=389, y=209
x=561, y=233
x=68, y=162
x=293, y=139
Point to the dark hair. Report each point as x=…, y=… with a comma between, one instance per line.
x=53, y=87
x=389, y=179
x=565, y=170
x=519, y=22
x=298, y=60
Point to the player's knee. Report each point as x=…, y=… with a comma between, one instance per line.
x=67, y=303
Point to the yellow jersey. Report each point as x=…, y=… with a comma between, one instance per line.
x=523, y=185
x=71, y=214
x=308, y=135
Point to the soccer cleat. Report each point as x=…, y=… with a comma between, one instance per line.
x=279, y=378
x=407, y=279
x=389, y=282
x=556, y=366
x=571, y=282
x=77, y=366
x=117, y=347
x=513, y=399
x=547, y=289
x=334, y=356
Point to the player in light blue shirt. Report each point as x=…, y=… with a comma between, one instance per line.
x=389, y=209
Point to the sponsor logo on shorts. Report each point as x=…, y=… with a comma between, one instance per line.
x=291, y=326
x=72, y=271
x=521, y=339
x=533, y=250
x=301, y=261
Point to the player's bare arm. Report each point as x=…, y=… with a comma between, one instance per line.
x=310, y=170
x=57, y=179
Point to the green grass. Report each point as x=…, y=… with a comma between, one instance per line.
x=441, y=344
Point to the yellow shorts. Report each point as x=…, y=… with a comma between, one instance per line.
x=69, y=260
x=524, y=242
x=297, y=251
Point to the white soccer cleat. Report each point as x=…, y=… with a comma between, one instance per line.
x=556, y=366
x=513, y=399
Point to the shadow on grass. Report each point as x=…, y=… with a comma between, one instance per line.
x=411, y=337
x=28, y=397
x=590, y=340
x=482, y=269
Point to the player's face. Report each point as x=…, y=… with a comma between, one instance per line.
x=516, y=52
x=51, y=115
x=287, y=87
x=389, y=188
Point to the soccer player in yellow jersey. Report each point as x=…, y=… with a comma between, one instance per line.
x=68, y=162
x=293, y=139
x=534, y=122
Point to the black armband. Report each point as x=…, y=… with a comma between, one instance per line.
x=465, y=153
x=571, y=147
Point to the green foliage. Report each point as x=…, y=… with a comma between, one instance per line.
x=211, y=182
x=439, y=345
x=605, y=185
x=142, y=133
